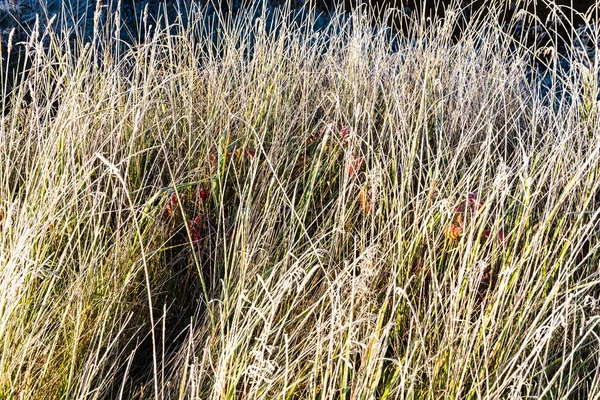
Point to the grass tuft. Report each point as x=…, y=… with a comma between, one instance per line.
x=266, y=208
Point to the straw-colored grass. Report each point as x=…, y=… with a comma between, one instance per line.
x=230, y=211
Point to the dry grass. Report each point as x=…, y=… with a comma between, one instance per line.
x=242, y=213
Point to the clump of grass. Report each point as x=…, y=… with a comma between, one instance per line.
x=258, y=209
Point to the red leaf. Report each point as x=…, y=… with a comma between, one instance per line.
x=213, y=159
x=195, y=227
x=366, y=200
x=354, y=165
x=453, y=232
x=201, y=194
x=171, y=206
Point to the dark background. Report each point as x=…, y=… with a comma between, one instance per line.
x=434, y=6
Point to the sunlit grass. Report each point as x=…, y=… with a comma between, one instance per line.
x=233, y=210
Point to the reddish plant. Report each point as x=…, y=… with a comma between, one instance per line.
x=345, y=133
x=195, y=227
x=238, y=153
x=333, y=126
x=472, y=204
x=453, y=231
x=354, y=165
x=201, y=195
x=171, y=207
x=213, y=159
x=365, y=200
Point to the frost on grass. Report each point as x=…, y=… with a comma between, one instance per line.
x=228, y=211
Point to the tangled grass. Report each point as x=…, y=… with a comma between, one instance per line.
x=232, y=210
